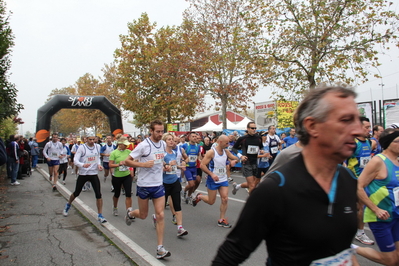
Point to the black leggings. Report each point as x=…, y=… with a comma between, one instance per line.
x=117, y=183
x=173, y=190
x=95, y=183
x=63, y=168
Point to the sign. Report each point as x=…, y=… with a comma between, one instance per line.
x=80, y=101
x=285, y=113
x=366, y=110
x=173, y=127
x=391, y=112
x=265, y=114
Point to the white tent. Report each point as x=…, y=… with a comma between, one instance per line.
x=209, y=126
x=242, y=125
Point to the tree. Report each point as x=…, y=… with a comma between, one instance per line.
x=8, y=127
x=230, y=40
x=8, y=92
x=156, y=72
x=313, y=41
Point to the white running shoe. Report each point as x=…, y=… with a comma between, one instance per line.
x=115, y=211
x=181, y=232
x=162, y=253
x=16, y=183
x=234, y=191
x=364, y=239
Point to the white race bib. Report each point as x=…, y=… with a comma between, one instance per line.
x=123, y=168
x=344, y=258
x=192, y=158
x=264, y=159
x=274, y=150
x=252, y=149
x=396, y=195
x=158, y=157
x=363, y=161
x=54, y=154
x=219, y=171
x=173, y=170
x=91, y=159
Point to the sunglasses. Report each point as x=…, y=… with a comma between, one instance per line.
x=252, y=127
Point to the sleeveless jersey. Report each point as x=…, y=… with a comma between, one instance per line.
x=192, y=152
x=360, y=157
x=377, y=149
x=263, y=162
x=179, y=156
x=107, y=149
x=170, y=177
x=218, y=166
x=384, y=193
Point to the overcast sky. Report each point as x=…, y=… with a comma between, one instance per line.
x=56, y=42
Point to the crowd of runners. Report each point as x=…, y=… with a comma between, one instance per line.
x=331, y=160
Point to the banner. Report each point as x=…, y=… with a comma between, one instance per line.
x=391, y=112
x=366, y=110
x=285, y=113
x=173, y=127
x=265, y=114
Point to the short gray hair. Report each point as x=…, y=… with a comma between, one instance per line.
x=314, y=105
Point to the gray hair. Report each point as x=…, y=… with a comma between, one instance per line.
x=314, y=105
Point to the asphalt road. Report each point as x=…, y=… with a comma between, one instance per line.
x=197, y=248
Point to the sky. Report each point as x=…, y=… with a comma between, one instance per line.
x=56, y=42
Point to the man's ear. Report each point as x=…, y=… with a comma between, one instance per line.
x=311, y=126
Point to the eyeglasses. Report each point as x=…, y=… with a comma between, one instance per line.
x=252, y=127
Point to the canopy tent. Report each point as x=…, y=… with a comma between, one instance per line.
x=209, y=126
x=242, y=125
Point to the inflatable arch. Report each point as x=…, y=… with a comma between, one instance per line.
x=59, y=102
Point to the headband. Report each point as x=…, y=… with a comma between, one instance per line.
x=386, y=140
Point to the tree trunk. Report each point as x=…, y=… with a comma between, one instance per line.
x=224, y=110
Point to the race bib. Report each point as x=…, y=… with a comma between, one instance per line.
x=219, y=171
x=54, y=154
x=91, y=159
x=173, y=170
x=274, y=150
x=363, y=161
x=396, y=195
x=192, y=158
x=159, y=155
x=252, y=149
x=264, y=159
x=344, y=258
x=123, y=168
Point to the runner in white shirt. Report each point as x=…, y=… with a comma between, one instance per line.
x=87, y=158
x=52, y=152
x=148, y=158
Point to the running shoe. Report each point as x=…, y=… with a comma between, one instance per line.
x=63, y=182
x=51, y=178
x=128, y=219
x=123, y=191
x=234, y=191
x=364, y=239
x=72, y=173
x=196, y=199
x=66, y=209
x=167, y=204
x=154, y=221
x=105, y=179
x=230, y=179
x=16, y=183
x=181, y=232
x=162, y=253
x=54, y=188
x=115, y=211
x=88, y=185
x=224, y=223
x=101, y=219
x=112, y=189
x=174, y=220
x=84, y=189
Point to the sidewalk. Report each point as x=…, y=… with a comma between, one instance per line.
x=33, y=230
